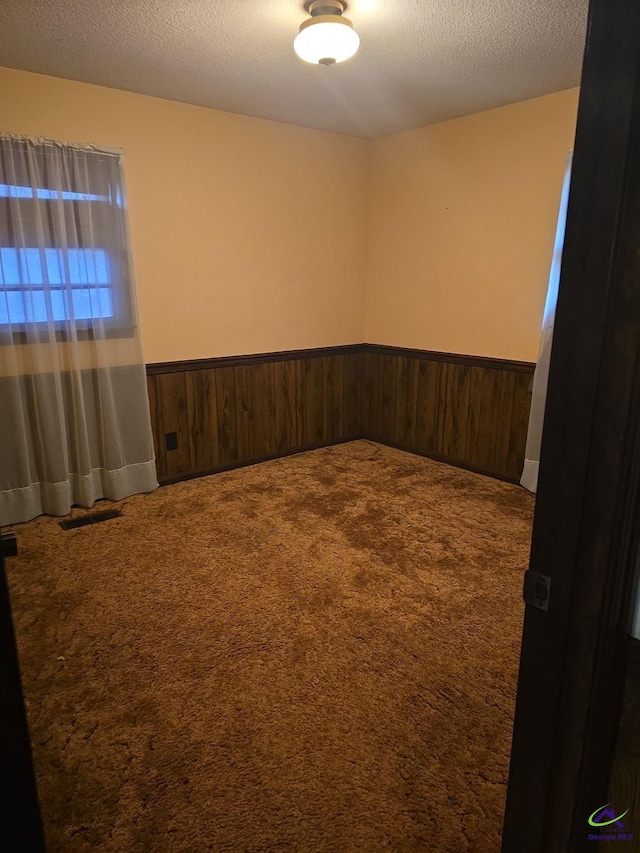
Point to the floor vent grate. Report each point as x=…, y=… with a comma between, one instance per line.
x=94, y=518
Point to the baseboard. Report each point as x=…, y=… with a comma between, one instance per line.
x=447, y=460
x=255, y=460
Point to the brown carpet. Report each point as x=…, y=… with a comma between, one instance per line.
x=318, y=653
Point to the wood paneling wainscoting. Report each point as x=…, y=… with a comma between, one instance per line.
x=467, y=410
x=236, y=410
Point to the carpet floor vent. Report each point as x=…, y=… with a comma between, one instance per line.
x=94, y=518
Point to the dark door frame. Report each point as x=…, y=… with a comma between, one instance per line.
x=586, y=526
x=20, y=821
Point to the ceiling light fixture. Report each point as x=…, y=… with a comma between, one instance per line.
x=326, y=37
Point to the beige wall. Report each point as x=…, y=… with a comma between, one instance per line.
x=255, y=236
x=248, y=235
x=462, y=218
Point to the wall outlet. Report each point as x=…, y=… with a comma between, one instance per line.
x=171, y=440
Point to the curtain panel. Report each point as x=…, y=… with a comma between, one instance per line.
x=529, y=477
x=74, y=411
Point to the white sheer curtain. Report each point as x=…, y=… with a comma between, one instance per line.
x=529, y=477
x=74, y=411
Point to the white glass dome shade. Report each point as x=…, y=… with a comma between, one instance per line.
x=326, y=39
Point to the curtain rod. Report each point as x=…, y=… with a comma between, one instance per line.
x=43, y=140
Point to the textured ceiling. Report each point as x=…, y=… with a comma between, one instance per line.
x=420, y=61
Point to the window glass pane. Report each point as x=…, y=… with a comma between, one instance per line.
x=87, y=266
x=92, y=303
x=75, y=267
x=30, y=266
x=31, y=306
x=55, y=268
x=102, y=302
x=13, y=191
x=81, y=304
x=101, y=262
x=9, y=268
x=15, y=304
x=34, y=307
x=83, y=266
x=58, y=305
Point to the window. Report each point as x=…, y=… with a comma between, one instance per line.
x=64, y=260
x=78, y=284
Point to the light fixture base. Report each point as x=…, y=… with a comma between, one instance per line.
x=325, y=7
